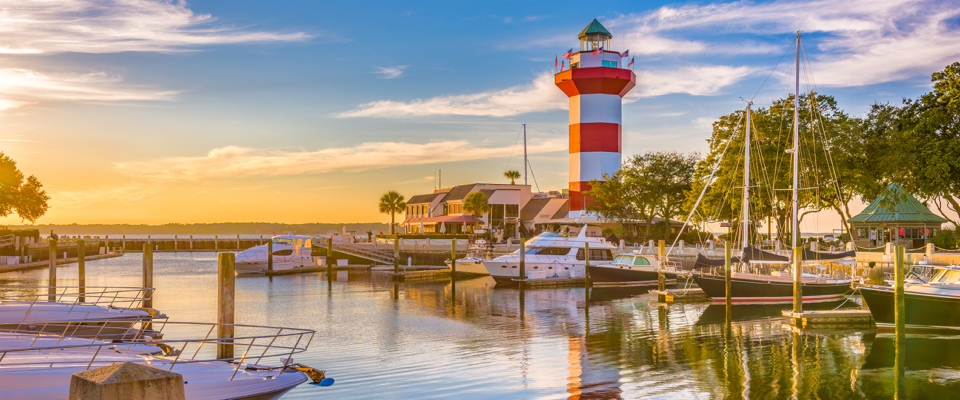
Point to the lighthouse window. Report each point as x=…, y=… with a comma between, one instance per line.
x=612, y=64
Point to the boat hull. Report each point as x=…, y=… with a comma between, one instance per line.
x=260, y=267
x=927, y=312
x=470, y=267
x=612, y=273
x=750, y=291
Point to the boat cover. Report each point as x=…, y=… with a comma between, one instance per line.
x=813, y=255
x=704, y=262
x=754, y=254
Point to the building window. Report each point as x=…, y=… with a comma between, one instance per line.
x=513, y=211
x=612, y=64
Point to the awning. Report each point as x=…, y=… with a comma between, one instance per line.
x=446, y=219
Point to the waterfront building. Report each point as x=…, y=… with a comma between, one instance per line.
x=895, y=217
x=595, y=84
x=443, y=210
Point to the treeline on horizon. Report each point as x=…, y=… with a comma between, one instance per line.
x=243, y=228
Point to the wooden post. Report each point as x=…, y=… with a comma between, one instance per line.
x=52, y=281
x=148, y=274
x=797, y=281
x=727, y=271
x=175, y=244
x=523, y=259
x=586, y=265
x=270, y=255
x=396, y=254
x=900, y=317
x=123, y=242
x=191, y=242
x=661, y=259
x=216, y=242
x=81, y=269
x=226, y=290
x=238, y=241
x=453, y=259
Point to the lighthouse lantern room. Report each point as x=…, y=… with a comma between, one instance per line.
x=595, y=84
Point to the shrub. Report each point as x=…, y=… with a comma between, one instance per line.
x=946, y=239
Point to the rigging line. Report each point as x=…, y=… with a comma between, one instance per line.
x=772, y=71
x=502, y=178
x=534, y=175
x=702, y=192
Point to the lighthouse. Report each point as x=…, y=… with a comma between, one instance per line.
x=595, y=84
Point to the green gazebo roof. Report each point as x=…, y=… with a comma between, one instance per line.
x=595, y=28
x=896, y=206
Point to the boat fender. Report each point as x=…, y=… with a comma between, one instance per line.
x=318, y=377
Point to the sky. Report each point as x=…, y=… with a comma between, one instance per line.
x=138, y=111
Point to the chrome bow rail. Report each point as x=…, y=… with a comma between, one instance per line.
x=120, y=297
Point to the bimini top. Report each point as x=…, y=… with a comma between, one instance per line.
x=292, y=237
x=595, y=28
x=896, y=206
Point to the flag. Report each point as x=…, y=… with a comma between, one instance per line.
x=568, y=54
x=561, y=66
x=625, y=54
x=554, y=62
x=599, y=50
x=631, y=62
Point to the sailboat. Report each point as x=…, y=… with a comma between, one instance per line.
x=776, y=287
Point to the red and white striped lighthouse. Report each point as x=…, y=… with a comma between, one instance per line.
x=595, y=83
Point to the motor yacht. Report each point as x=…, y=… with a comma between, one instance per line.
x=634, y=268
x=289, y=252
x=932, y=306
x=39, y=367
x=551, y=255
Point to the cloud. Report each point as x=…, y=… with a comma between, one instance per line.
x=537, y=96
x=702, y=80
x=859, y=42
x=128, y=193
x=20, y=87
x=111, y=26
x=233, y=161
x=390, y=72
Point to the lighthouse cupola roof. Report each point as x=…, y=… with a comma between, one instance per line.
x=595, y=28
x=594, y=37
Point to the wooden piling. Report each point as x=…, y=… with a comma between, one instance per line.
x=523, y=259
x=226, y=290
x=396, y=254
x=270, y=255
x=175, y=244
x=586, y=265
x=797, y=281
x=52, y=281
x=900, y=322
x=453, y=259
x=727, y=272
x=216, y=242
x=81, y=269
x=148, y=275
x=191, y=242
x=661, y=259
x=238, y=242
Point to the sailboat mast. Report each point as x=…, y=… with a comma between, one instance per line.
x=746, y=182
x=796, y=149
x=524, y=154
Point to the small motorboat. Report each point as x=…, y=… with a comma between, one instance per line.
x=289, y=252
x=933, y=306
x=472, y=264
x=634, y=268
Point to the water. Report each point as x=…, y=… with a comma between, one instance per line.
x=417, y=340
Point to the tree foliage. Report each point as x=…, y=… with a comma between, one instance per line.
x=23, y=196
x=476, y=204
x=392, y=202
x=512, y=175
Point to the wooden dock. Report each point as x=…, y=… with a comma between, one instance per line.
x=847, y=318
x=419, y=275
x=669, y=282
x=549, y=282
x=695, y=295
x=60, y=261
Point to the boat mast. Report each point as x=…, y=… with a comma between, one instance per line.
x=796, y=149
x=746, y=183
x=524, y=154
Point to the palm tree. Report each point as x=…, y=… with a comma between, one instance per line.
x=475, y=204
x=392, y=202
x=512, y=175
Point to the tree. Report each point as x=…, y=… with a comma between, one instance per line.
x=392, y=202
x=512, y=175
x=476, y=204
x=25, y=197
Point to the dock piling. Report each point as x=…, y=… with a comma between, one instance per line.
x=226, y=290
x=81, y=269
x=270, y=255
x=52, y=281
x=175, y=243
x=900, y=322
x=148, y=274
x=216, y=242
x=523, y=259
x=727, y=272
x=661, y=259
x=396, y=254
x=453, y=259
x=586, y=265
x=797, y=285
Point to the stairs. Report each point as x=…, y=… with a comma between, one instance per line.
x=356, y=250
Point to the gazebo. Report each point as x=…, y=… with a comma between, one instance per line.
x=895, y=217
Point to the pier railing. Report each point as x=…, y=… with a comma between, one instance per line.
x=103, y=296
x=357, y=250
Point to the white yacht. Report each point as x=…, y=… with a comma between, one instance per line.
x=473, y=262
x=551, y=255
x=289, y=252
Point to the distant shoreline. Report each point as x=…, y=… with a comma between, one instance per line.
x=227, y=228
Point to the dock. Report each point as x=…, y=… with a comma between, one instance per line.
x=670, y=282
x=695, y=295
x=60, y=261
x=848, y=318
x=419, y=275
x=549, y=282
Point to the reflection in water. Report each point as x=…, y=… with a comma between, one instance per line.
x=439, y=339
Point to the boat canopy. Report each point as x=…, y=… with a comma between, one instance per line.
x=705, y=262
x=754, y=255
x=814, y=255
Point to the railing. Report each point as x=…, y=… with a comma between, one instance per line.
x=262, y=342
x=357, y=250
x=104, y=296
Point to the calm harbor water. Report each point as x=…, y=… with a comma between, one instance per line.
x=469, y=340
